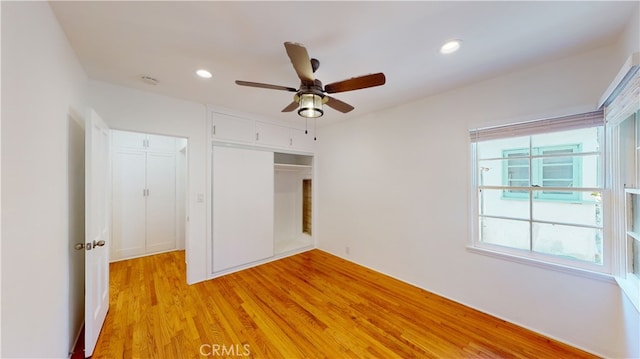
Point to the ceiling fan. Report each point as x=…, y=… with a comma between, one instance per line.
x=310, y=97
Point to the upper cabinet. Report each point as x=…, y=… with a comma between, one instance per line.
x=240, y=130
x=231, y=128
x=143, y=141
x=272, y=135
x=303, y=139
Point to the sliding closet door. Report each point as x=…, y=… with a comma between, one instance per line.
x=242, y=206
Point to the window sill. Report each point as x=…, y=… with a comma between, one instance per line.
x=631, y=288
x=544, y=265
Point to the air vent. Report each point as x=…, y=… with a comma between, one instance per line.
x=149, y=80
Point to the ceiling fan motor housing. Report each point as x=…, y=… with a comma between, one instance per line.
x=315, y=88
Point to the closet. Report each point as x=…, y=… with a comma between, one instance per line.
x=147, y=171
x=261, y=205
x=292, y=202
x=242, y=185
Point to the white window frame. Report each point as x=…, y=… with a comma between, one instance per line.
x=620, y=101
x=591, y=270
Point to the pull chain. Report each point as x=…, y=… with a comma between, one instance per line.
x=306, y=125
x=315, y=122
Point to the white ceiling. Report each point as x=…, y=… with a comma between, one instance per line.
x=118, y=42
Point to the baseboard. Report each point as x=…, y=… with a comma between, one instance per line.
x=77, y=350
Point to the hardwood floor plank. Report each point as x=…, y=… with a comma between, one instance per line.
x=311, y=305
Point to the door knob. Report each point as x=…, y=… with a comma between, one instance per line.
x=99, y=243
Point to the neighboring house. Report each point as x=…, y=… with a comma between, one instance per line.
x=569, y=161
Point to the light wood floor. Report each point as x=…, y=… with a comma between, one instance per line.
x=312, y=305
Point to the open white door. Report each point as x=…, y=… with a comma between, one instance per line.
x=97, y=229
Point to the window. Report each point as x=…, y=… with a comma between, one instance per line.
x=538, y=190
x=553, y=166
x=622, y=108
x=626, y=203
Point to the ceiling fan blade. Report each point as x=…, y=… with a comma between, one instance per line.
x=265, y=86
x=339, y=105
x=356, y=83
x=300, y=60
x=292, y=106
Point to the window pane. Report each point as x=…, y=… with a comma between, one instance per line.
x=560, y=196
x=494, y=148
x=518, y=173
x=505, y=232
x=635, y=213
x=570, y=242
x=492, y=202
x=588, y=138
x=635, y=244
x=585, y=212
x=490, y=172
x=558, y=171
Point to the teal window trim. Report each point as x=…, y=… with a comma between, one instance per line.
x=519, y=160
x=515, y=172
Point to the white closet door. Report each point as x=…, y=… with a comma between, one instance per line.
x=128, y=222
x=242, y=206
x=161, y=202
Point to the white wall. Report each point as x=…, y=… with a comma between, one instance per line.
x=42, y=184
x=630, y=38
x=181, y=191
x=134, y=110
x=393, y=186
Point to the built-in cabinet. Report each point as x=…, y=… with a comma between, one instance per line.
x=144, y=217
x=262, y=192
x=234, y=129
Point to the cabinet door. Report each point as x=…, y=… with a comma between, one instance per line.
x=161, y=202
x=272, y=135
x=158, y=143
x=231, y=128
x=128, y=204
x=126, y=139
x=242, y=206
x=301, y=140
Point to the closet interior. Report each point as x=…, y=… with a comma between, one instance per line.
x=293, y=202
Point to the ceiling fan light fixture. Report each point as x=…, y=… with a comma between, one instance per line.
x=310, y=105
x=450, y=47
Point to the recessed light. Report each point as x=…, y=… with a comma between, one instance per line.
x=450, y=47
x=204, y=74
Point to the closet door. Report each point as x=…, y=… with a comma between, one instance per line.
x=128, y=200
x=161, y=202
x=242, y=206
